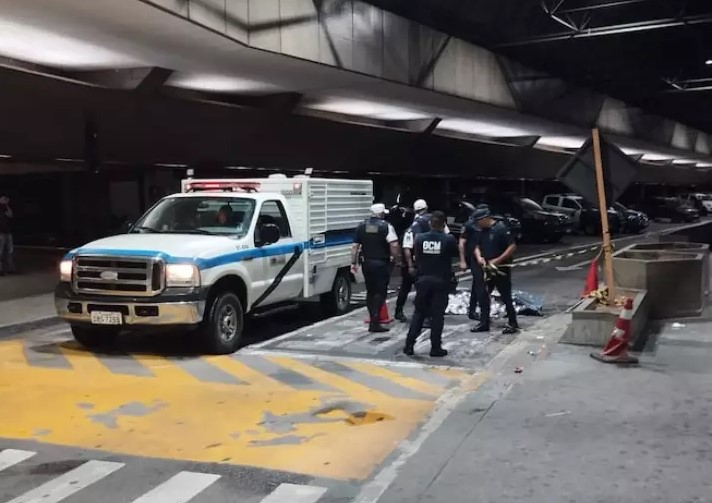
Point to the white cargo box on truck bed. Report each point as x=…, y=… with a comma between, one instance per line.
x=324, y=214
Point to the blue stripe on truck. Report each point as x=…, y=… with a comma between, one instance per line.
x=334, y=238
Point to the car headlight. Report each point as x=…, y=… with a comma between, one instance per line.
x=65, y=270
x=182, y=275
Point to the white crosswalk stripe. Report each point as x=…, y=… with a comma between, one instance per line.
x=71, y=482
x=10, y=457
x=179, y=488
x=291, y=493
x=183, y=487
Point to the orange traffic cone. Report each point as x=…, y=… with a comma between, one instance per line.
x=591, y=279
x=616, y=350
x=383, y=317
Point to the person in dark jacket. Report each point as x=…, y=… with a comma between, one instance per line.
x=466, y=246
x=433, y=253
x=421, y=224
x=7, y=263
x=495, y=246
x=376, y=240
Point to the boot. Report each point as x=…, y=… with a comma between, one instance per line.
x=438, y=352
x=510, y=329
x=408, y=350
x=377, y=328
x=400, y=316
x=480, y=328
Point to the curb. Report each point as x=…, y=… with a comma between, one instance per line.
x=15, y=328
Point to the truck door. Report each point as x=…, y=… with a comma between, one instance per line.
x=283, y=274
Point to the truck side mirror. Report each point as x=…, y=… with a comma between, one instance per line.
x=126, y=227
x=267, y=234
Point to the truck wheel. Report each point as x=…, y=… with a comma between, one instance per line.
x=338, y=300
x=95, y=337
x=222, y=329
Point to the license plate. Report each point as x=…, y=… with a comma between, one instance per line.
x=106, y=318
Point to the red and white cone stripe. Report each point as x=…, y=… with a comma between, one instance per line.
x=616, y=350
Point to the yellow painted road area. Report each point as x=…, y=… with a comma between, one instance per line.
x=316, y=417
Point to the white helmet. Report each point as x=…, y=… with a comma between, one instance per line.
x=420, y=205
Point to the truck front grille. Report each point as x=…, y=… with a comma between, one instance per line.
x=118, y=276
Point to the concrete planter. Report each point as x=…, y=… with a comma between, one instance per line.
x=671, y=279
x=592, y=325
x=680, y=247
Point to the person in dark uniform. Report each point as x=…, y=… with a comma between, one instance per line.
x=433, y=255
x=466, y=246
x=421, y=224
x=495, y=246
x=377, y=241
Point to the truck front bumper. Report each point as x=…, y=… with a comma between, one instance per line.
x=164, y=309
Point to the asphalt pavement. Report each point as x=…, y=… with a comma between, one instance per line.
x=312, y=410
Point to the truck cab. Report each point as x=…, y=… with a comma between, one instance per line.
x=207, y=257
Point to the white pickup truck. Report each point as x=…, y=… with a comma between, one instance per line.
x=220, y=249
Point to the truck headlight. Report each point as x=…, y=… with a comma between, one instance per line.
x=65, y=270
x=182, y=275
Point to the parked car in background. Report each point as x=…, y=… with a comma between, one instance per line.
x=632, y=221
x=465, y=208
x=670, y=208
x=538, y=224
x=700, y=201
x=586, y=216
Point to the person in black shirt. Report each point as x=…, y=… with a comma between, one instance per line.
x=377, y=241
x=495, y=246
x=466, y=246
x=6, y=242
x=433, y=257
x=421, y=224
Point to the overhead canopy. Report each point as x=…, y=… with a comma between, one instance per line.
x=133, y=46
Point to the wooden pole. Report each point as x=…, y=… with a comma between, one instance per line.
x=603, y=208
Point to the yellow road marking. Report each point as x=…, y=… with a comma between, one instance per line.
x=408, y=382
x=163, y=368
x=343, y=434
x=346, y=385
x=12, y=354
x=80, y=359
x=245, y=373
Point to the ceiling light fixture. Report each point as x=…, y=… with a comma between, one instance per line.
x=567, y=142
x=370, y=109
x=34, y=45
x=708, y=62
x=217, y=83
x=481, y=128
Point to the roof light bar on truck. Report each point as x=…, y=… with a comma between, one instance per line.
x=224, y=186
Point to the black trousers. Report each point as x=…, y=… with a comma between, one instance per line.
x=503, y=284
x=405, y=287
x=478, y=282
x=431, y=297
x=377, y=274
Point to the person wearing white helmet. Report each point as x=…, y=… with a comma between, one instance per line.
x=376, y=240
x=421, y=224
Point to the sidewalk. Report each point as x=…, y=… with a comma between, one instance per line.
x=571, y=429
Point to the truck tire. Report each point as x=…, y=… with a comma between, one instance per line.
x=338, y=299
x=95, y=337
x=222, y=329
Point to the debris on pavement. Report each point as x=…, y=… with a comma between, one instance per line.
x=525, y=304
x=562, y=413
x=518, y=370
x=677, y=325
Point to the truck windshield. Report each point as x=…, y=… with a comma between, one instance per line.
x=225, y=216
x=528, y=204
